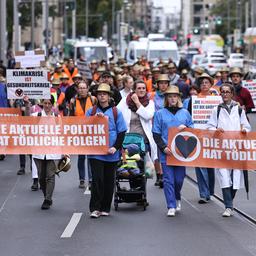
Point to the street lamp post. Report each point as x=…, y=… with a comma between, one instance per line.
x=87, y=18
x=32, y=24
x=3, y=31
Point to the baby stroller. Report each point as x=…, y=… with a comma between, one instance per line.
x=130, y=176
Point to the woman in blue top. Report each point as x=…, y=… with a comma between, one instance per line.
x=172, y=115
x=103, y=166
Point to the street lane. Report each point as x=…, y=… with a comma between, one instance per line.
x=197, y=230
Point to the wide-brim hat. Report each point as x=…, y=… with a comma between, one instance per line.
x=64, y=165
x=77, y=76
x=103, y=87
x=225, y=69
x=56, y=81
x=64, y=76
x=107, y=73
x=171, y=65
x=236, y=71
x=199, y=70
x=156, y=70
x=101, y=69
x=172, y=89
x=184, y=71
x=206, y=76
x=163, y=77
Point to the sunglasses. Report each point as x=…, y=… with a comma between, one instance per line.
x=225, y=92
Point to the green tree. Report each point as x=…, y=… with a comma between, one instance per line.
x=221, y=9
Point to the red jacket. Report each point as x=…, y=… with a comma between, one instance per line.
x=244, y=97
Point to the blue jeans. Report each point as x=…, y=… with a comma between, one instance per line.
x=81, y=168
x=205, y=180
x=173, y=177
x=228, y=196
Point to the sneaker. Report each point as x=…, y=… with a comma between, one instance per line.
x=171, y=212
x=228, y=212
x=178, y=205
x=46, y=204
x=95, y=214
x=81, y=185
x=104, y=214
x=203, y=200
x=21, y=171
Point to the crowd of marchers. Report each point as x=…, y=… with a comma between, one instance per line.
x=142, y=99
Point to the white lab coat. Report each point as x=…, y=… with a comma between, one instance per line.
x=229, y=122
x=47, y=156
x=146, y=114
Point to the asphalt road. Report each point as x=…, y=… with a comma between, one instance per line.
x=197, y=230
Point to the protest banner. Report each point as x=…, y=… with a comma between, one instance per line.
x=251, y=86
x=212, y=149
x=84, y=69
x=30, y=59
x=10, y=112
x=54, y=135
x=28, y=82
x=202, y=108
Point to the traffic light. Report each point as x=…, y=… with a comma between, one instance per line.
x=218, y=20
x=70, y=5
x=196, y=31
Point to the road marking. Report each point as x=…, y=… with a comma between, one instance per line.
x=87, y=191
x=70, y=228
x=9, y=195
x=193, y=206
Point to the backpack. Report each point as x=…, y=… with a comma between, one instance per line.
x=218, y=111
x=114, y=109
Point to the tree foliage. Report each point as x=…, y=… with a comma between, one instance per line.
x=222, y=9
x=100, y=11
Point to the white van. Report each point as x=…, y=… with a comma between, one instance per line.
x=90, y=49
x=164, y=49
x=135, y=50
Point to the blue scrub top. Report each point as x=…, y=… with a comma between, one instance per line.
x=164, y=119
x=114, y=128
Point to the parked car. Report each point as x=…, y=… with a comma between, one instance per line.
x=213, y=65
x=236, y=60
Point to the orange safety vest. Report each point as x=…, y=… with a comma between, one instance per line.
x=75, y=72
x=78, y=110
x=57, y=75
x=149, y=85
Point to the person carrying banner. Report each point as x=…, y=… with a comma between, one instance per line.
x=78, y=107
x=46, y=164
x=172, y=115
x=205, y=176
x=103, y=167
x=228, y=116
x=158, y=97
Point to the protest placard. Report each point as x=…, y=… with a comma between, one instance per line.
x=54, y=135
x=251, y=86
x=213, y=149
x=10, y=112
x=27, y=82
x=84, y=69
x=202, y=108
x=29, y=59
